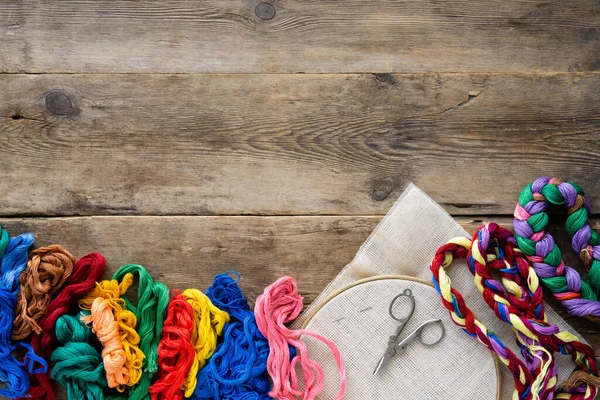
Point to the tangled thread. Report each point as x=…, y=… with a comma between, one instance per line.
x=531, y=219
x=209, y=322
x=150, y=311
x=279, y=304
x=115, y=328
x=47, y=270
x=78, y=366
x=517, y=300
x=175, y=351
x=238, y=368
x=86, y=271
x=14, y=381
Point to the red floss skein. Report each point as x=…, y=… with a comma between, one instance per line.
x=86, y=272
x=175, y=350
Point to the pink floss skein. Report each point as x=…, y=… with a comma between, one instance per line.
x=279, y=304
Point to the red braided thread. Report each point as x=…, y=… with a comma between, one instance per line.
x=175, y=350
x=515, y=365
x=522, y=304
x=525, y=307
x=86, y=271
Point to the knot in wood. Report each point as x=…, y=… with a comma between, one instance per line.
x=382, y=190
x=59, y=103
x=265, y=11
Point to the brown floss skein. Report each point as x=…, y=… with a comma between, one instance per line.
x=47, y=270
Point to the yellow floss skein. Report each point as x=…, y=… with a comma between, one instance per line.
x=112, y=291
x=209, y=322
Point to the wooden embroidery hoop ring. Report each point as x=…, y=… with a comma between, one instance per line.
x=311, y=315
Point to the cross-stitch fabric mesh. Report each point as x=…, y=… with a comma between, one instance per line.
x=403, y=244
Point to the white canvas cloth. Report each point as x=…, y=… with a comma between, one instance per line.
x=460, y=367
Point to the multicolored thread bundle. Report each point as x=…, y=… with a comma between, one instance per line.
x=579, y=296
x=516, y=301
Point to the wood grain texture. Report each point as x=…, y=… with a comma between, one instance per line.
x=322, y=36
x=290, y=144
x=188, y=251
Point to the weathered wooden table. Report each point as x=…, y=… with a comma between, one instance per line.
x=195, y=137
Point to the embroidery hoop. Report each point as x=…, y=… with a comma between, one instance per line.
x=359, y=282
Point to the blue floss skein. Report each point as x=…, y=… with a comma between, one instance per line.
x=13, y=372
x=238, y=368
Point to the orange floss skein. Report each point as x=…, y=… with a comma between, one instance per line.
x=116, y=331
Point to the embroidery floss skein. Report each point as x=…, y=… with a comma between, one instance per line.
x=116, y=331
x=47, y=270
x=531, y=220
x=106, y=328
x=86, y=271
x=14, y=381
x=153, y=300
x=209, y=322
x=175, y=351
x=280, y=303
x=517, y=301
x=238, y=368
x=78, y=365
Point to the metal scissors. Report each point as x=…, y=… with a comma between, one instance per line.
x=395, y=345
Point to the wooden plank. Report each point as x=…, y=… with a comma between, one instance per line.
x=188, y=251
x=321, y=36
x=289, y=144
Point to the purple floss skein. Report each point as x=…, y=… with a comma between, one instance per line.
x=238, y=368
x=13, y=372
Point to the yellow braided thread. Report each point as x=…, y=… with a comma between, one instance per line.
x=209, y=322
x=112, y=291
x=445, y=285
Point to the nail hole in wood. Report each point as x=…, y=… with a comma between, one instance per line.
x=59, y=103
x=265, y=11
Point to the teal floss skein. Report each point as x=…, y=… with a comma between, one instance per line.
x=78, y=365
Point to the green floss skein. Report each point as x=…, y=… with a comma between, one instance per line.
x=78, y=365
x=153, y=300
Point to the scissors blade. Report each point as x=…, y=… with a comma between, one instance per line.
x=385, y=360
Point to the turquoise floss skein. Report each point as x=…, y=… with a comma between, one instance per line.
x=13, y=372
x=238, y=368
x=78, y=365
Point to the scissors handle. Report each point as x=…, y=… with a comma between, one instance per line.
x=417, y=335
x=404, y=320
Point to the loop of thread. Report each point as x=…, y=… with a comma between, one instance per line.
x=14, y=379
x=238, y=368
x=152, y=303
x=115, y=328
x=175, y=351
x=78, y=366
x=531, y=219
x=209, y=322
x=279, y=304
x=47, y=270
x=517, y=300
x=86, y=271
